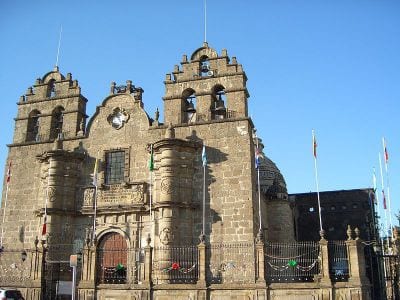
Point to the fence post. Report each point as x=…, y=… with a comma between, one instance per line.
x=324, y=260
x=355, y=250
x=87, y=285
x=260, y=260
x=147, y=262
x=202, y=263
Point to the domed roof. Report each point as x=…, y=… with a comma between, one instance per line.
x=271, y=177
x=272, y=182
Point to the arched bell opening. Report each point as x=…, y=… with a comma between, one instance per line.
x=218, y=108
x=190, y=101
x=32, y=132
x=57, y=119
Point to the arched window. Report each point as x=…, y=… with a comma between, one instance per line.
x=205, y=67
x=51, y=92
x=112, y=258
x=190, y=106
x=219, y=110
x=32, y=132
x=57, y=118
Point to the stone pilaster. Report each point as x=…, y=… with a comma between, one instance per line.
x=324, y=262
x=260, y=262
x=147, y=264
x=202, y=264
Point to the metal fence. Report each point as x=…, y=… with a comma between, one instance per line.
x=338, y=261
x=231, y=262
x=175, y=264
x=119, y=266
x=292, y=262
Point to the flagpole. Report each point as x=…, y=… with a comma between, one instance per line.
x=205, y=21
x=204, y=161
x=388, y=185
x=258, y=187
x=44, y=229
x=151, y=169
x=384, y=199
x=378, y=209
x=316, y=182
x=59, y=44
x=95, y=212
x=5, y=204
x=204, y=199
x=95, y=174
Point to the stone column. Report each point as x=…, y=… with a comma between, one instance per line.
x=202, y=264
x=173, y=205
x=61, y=171
x=324, y=267
x=260, y=260
x=147, y=264
x=357, y=270
x=87, y=284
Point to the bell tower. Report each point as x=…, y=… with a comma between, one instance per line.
x=53, y=107
x=207, y=87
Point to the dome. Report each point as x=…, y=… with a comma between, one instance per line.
x=271, y=179
x=272, y=183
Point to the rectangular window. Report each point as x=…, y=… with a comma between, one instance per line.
x=115, y=167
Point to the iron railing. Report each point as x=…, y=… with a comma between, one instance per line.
x=119, y=266
x=175, y=264
x=292, y=262
x=231, y=262
x=338, y=261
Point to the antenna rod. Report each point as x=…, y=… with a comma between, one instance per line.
x=59, y=43
x=205, y=21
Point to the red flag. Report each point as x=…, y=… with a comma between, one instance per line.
x=314, y=145
x=9, y=173
x=386, y=152
x=44, y=228
x=384, y=199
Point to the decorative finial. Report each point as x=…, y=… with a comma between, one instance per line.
x=157, y=115
x=357, y=232
x=148, y=240
x=202, y=238
x=349, y=233
x=260, y=236
x=170, y=132
x=322, y=234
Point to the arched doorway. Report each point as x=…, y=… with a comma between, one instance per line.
x=112, y=257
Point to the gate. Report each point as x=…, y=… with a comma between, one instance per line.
x=57, y=273
x=57, y=280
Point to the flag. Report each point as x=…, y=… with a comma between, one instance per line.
x=258, y=156
x=9, y=173
x=44, y=228
x=384, y=199
x=204, y=156
x=151, y=160
x=95, y=172
x=385, y=150
x=314, y=144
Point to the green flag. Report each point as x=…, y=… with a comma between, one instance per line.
x=151, y=160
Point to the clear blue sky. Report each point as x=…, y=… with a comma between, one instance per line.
x=332, y=66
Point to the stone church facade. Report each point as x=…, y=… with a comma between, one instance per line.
x=139, y=232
